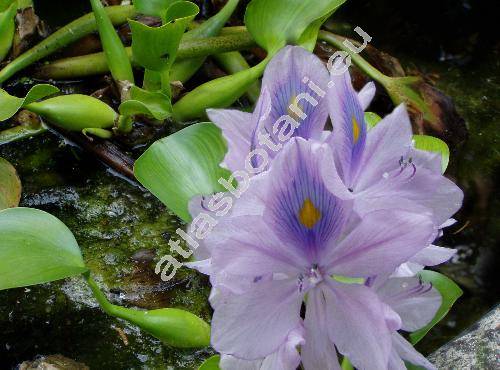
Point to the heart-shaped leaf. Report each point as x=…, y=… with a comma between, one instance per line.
x=10, y=185
x=449, y=291
x=275, y=23
x=36, y=248
x=211, y=363
x=433, y=144
x=183, y=165
x=9, y=105
x=149, y=103
x=155, y=48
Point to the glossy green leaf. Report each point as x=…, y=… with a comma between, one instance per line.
x=4, y=4
x=7, y=27
x=36, y=248
x=211, y=363
x=310, y=35
x=10, y=185
x=449, y=291
x=9, y=105
x=152, y=104
x=183, y=165
x=154, y=8
x=433, y=144
x=155, y=48
x=372, y=119
x=275, y=23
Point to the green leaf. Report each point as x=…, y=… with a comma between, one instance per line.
x=211, y=363
x=310, y=35
x=449, y=291
x=36, y=248
x=148, y=103
x=8, y=27
x=433, y=144
x=10, y=185
x=155, y=48
x=183, y=165
x=154, y=8
x=4, y=4
x=9, y=105
x=372, y=119
x=275, y=23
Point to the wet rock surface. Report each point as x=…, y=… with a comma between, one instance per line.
x=477, y=349
x=54, y=362
x=122, y=231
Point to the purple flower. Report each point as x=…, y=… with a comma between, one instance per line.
x=273, y=121
x=379, y=167
x=416, y=303
x=304, y=242
x=321, y=248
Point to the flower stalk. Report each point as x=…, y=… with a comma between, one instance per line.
x=114, y=51
x=218, y=93
x=95, y=64
x=233, y=62
x=63, y=37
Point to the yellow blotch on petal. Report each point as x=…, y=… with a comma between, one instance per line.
x=309, y=215
x=355, y=129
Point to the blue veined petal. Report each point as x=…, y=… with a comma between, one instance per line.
x=300, y=207
x=292, y=103
x=349, y=127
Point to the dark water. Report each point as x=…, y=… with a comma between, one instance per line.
x=457, y=42
x=122, y=229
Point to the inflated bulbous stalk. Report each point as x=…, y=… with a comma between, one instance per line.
x=218, y=93
x=174, y=327
x=75, y=112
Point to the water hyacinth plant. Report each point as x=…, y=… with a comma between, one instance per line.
x=339, y=221
x=313, y=218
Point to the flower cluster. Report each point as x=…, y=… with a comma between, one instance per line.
x=318, y=256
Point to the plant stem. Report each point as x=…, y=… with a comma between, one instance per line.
x=103, y=301
x=116, y=56
x=233, y=62
x=20, y=132
x=94, y=64
x=64, y=36
x=185, y=69
x=338, y=42
x=218, y=93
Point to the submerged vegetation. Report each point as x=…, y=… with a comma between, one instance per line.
x=308, y=169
